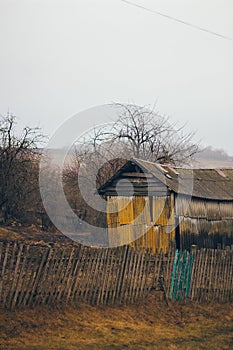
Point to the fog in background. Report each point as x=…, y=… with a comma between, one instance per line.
x=59, y=57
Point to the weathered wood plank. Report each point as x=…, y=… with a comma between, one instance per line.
x=77, y=272
x=15, y=276
x=33, y=298
x=19, y=284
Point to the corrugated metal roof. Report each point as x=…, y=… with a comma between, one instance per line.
x=214, y=184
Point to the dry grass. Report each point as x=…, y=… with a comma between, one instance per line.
x=150, y=326
x=31, y=234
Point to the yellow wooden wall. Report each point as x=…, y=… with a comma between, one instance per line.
x=142, y=221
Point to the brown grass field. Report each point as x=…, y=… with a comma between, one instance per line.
x=153, y=325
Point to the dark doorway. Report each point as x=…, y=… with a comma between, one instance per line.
x=177, y=234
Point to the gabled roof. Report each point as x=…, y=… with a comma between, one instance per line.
x=215, y=184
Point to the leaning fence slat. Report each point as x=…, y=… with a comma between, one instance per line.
x=129, y=276
x=139, y=274
x=137, y=284
x=2, y=280
x=88, y=274
x=3, y=269
x=18, y=286
x=133, y=277
x=9, y=272
x=79, y=273
x=121, y=274
x=100, y=276
x=58, y=267
x=125, y=277
x=198, y=276
x=33, y=267
x=105, y=271
x=50, y=282
x=211, y=256
x=145, y=283
x=110, y=275
x=228, y=277
x=39, y=274
x=219, y=275
x=142, y=276
x=225, y=273
x=65, y=277
x=204, y=275
x=83, y=274
x=45, y=282
x=119, y=257
x=229, y=285
x=15, y=275
x=74, y=269
x=92, y=292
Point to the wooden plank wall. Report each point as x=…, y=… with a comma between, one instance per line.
x=133, y=181
x=205, y=223
x=34, y=275
x=205, y=233
x=146, y=222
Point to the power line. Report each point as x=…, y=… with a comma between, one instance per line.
x=178, y=20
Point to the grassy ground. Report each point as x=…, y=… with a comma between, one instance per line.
x=31, y=234
x=150, y=326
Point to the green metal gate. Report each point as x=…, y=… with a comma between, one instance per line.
x=181, y=275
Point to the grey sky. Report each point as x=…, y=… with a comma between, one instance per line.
x=59, y=57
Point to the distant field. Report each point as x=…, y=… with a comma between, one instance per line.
x=150, y=326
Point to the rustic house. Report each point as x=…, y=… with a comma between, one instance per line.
x=159, y=206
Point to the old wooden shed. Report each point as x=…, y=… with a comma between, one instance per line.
x=159, y=206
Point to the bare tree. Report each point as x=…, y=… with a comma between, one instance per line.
x=143, y=133
x=19, y=161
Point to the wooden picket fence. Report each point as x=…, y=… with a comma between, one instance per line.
x=212, y=275
x=32, y=275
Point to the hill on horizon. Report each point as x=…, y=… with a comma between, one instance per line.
x=213, y=158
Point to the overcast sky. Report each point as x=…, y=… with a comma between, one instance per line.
x=59, y=57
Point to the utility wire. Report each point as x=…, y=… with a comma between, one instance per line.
x=131, y=3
